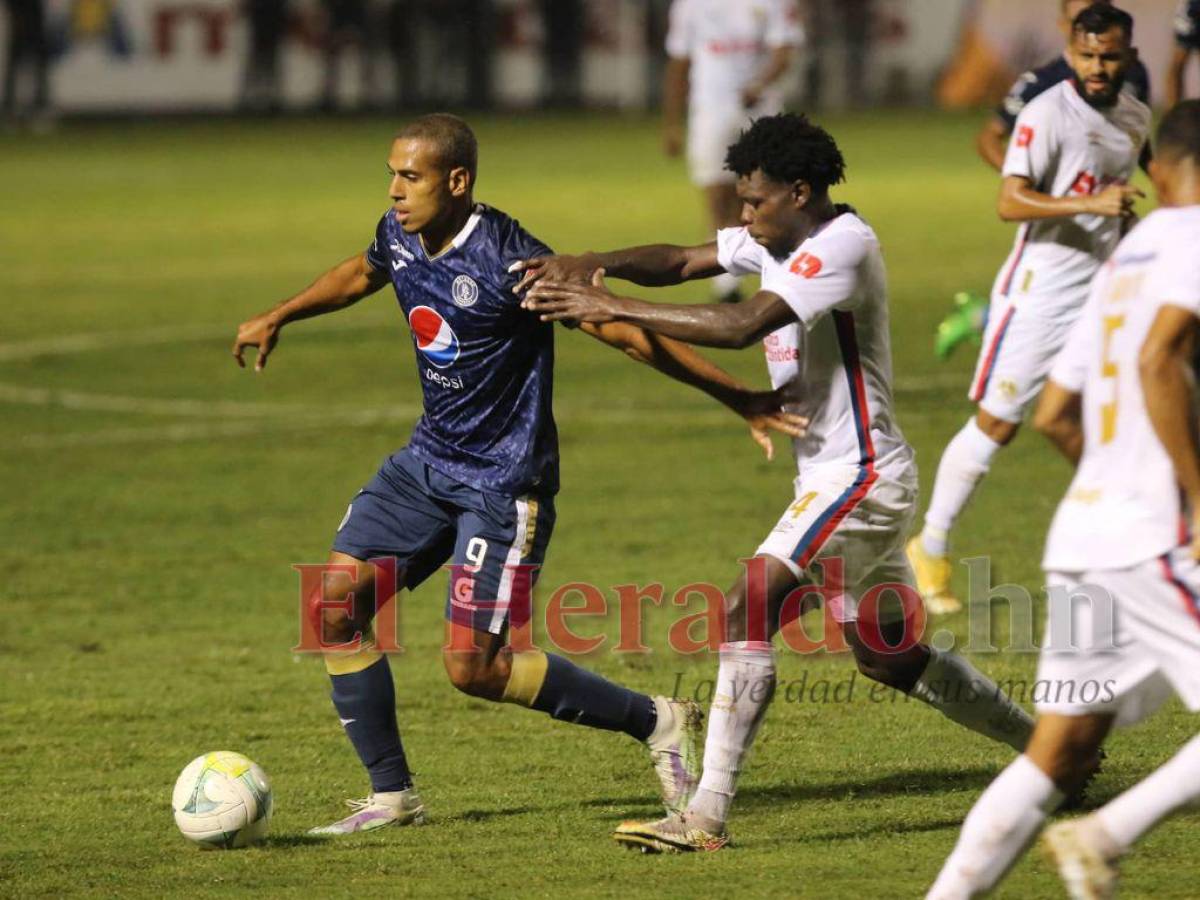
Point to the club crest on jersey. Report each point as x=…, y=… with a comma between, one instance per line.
x=465, y=291
x=434, y=336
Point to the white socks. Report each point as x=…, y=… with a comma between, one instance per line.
x=964, y=462
x=745, y=685
x=963, y=694
x=999, y=827
x=1168, y=789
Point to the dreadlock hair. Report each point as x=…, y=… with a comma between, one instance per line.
x=788, y=148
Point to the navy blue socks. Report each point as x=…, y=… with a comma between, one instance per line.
x=366, y=705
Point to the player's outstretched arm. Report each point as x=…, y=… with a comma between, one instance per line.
x=762, y=410
x=1059, y=417
x=1020, y=202
x=1167, y=384
x=346, y=283
x=653, y=265
x=726, y=325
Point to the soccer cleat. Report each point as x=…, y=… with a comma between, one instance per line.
x=373, y=812
x=675, y=750
x=669, y=835
x=1085, y=873
x=964, y=324
x=933, y=579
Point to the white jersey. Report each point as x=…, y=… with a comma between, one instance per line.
x=729, y=43
x=1066, y=147
x=839, y=353
x=1123, y=507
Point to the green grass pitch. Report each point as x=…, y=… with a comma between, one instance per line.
x=156, y=496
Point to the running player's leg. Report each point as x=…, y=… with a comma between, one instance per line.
x=1085, y=689
x=390, y=517
x=1165, y=616
x=1018, y=349
x=500, y=547
x=888, y=649
x=710, y=132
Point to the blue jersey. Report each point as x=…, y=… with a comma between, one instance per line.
x=486, y=365
x=1036, y=82
x=1187, y=24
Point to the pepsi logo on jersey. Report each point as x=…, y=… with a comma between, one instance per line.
x=433, y=335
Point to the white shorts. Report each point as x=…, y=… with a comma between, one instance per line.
x=850, y=514
x=1019, y=347
x=1127, y=661
x=710, y=133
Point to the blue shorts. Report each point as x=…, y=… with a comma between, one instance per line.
x=495, y=543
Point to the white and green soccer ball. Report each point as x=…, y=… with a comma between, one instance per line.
x=222, y=800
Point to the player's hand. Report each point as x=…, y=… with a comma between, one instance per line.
x=672, y=139
x=262, y=333
x=1115, y=200
x=764, y=412
x=751, y=94
x=554, y=268
x=1196, y=533
x=560, y=301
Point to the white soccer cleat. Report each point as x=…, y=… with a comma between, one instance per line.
x=1085, y=872
x=675, y=750
x=378, y=811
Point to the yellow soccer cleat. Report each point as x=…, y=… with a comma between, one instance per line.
x=669, y=835
x=933, y=579
x=1085, y=872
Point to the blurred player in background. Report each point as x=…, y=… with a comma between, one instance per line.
x=1120, y=405
x=967, y=321
x=822, y=314
x=29, y=53
x=1187, y=43
x=1066, y=179
x=476, y=482
x=727, y=57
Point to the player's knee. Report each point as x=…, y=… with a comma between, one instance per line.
x=470, y=673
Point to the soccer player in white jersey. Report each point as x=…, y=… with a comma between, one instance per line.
x=823, y=316
x=728, y=57
x=1121, y=557
x=1066, y=180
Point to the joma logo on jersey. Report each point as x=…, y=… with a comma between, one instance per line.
x=433, y=335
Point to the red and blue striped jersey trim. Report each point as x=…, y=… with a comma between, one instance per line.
x=989, y=362
x=1191, y=602
x=826, y=524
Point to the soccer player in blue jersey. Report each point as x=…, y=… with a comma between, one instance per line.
x=476, y=483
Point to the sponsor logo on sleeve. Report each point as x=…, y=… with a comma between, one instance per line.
x=1024, y=136
x=806, y=265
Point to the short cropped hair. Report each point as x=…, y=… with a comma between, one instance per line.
x=451, y=136
x=788, y=148
x=1179, y=132
x=1100, y=17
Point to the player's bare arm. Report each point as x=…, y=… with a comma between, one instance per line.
x=675, y=89
x=652, y=265
x=1168, y=385
x=1059, y=417
x=777, y=65
x=763, y=410
x=730, y=326
x=343, y=285
x=992, y=142
x=1019, y=201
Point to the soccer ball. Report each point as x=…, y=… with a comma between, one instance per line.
x=222, y=800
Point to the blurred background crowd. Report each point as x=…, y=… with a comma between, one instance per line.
x=266, y=56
